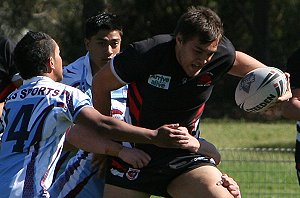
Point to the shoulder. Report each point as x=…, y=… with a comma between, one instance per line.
x=73, y=71
x=226, y=46
x=6, y=43
x=76, y=65
x=225, y=50
x=6, y=50
x=150, y=43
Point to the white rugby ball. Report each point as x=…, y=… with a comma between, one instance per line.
x=260, y=88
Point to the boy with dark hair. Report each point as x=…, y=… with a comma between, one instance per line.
x=103, y=36
x=36, y=116
x=170, y=78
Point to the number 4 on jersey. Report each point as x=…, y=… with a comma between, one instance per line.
x=21, y=120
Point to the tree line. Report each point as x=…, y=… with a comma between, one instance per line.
x=265, y=29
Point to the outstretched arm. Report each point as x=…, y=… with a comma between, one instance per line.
x=244, y=63
x=92, y=126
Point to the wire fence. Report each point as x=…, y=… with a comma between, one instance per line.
x=262, y=172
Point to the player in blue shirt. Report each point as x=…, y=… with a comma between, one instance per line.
x=103, y=35
x=36, y=116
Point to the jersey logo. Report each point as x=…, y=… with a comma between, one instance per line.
x=159, y=81
x=205, y=80
x=132, y=173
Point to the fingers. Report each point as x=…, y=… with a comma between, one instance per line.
x=172, y=126
x=231, y=185
x=288, y=93
x=135, y=157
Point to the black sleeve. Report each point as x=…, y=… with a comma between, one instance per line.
x=137, y=59
x=128, y=64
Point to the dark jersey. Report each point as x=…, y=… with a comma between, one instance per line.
x=7, y=70
x=160, y=92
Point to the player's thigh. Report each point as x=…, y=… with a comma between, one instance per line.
x=111, y=191
x=199, y=182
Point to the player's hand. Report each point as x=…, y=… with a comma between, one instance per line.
x=171, y=136
x=288, y=93
x=135, y=157
x=274, y=110
x=231, y=186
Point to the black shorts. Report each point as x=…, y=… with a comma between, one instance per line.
x=165, y=165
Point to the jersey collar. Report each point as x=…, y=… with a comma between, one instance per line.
x=36, y=79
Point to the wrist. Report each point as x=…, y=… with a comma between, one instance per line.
x=195, y=147
x=114, y=151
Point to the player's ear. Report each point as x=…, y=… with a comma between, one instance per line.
x=179, y=39
x=50, y=65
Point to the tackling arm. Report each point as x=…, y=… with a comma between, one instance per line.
x=104, y=82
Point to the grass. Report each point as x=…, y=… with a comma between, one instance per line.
x=227, y=133
x=257, y=173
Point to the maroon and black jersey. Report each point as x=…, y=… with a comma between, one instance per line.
x=159, y=91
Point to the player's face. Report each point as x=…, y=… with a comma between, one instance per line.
x=192, y=55
x=103, y=47
x=58, y=64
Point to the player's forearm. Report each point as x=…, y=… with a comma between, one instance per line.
x=121, y=131
x=91, y=120
x=291, y=109
x=92, y=142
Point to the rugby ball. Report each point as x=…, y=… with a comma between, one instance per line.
x=260, y=88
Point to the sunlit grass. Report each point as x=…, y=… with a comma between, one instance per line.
x=257, y=178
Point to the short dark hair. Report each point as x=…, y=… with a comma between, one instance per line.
x=201, y=22
x=103, y=21
x=32, y=52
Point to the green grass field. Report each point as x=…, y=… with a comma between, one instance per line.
x=240, y=133
x=260, y=174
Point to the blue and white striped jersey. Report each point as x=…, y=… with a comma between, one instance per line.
x=79, y=175
x=79, y=74
x=35, y=120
